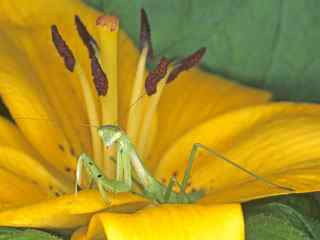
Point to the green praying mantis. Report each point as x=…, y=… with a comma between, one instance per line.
x=128, y=161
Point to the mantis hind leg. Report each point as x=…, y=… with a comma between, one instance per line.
x=197, y=146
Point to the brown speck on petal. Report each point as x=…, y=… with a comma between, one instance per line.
x=145, y=33
x=99, y=77
x=72, y=152
x=67, y=169
x=85, y=36
x=61, y=147
x=155, y=76
x=62, y=48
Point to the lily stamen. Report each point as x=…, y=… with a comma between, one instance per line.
x=187, y=63
x=63, y=49
x=145, y=33
x=154, y=85
x=136, y=106
x=135, y=115
x=85, y=36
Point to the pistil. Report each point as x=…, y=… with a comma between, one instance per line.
x=108, y=28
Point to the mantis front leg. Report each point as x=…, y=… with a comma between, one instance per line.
x=104, y=185
x=123, y=164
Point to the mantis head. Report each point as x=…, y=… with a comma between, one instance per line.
x=109, y=134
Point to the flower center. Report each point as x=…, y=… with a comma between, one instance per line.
x=101, y=94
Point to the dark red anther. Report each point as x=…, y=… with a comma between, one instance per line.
x=145, y=33
x=187, y=63
x=85, y=36
x=174, y=73
x=99, y=77
x=193, y=59
x=156, y=75
x=63, y=49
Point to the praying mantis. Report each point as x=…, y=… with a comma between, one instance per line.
x=128, y=161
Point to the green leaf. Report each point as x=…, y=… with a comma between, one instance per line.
x=25, y=234
x=8, y=230
x=278, y=221
x=305, y=204
x=271, y=44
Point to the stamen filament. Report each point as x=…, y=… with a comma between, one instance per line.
x=136, y=108
x=93, y=115
x=151, y=110
x=108, y=29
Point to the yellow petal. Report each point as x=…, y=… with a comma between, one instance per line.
x=195, y=97
x=68, y=211
x=18, y=159
x=16, y=190
x=10, y=136
x=24, y=14
x=79, y=234
x=278, y=141
x=33, y=170
x=171, y=222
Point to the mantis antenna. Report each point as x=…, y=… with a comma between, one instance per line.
x=137, y=100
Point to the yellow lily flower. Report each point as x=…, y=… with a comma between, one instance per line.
x=276, y=140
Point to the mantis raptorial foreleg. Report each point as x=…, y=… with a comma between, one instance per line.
x=123, y=165
x=104, y=184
